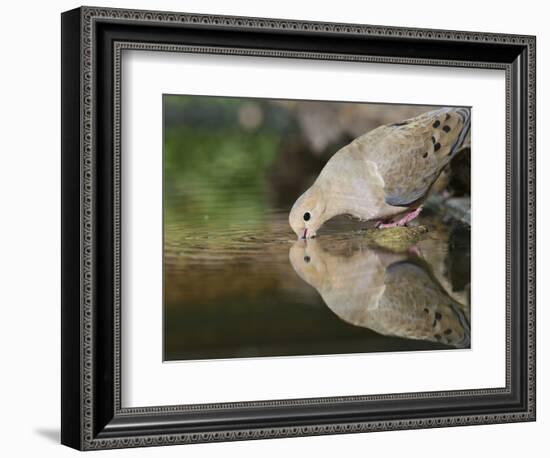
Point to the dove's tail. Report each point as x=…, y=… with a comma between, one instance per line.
x=461, y=316
x=465, y=114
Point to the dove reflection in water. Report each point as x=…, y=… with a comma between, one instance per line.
x=392, y=294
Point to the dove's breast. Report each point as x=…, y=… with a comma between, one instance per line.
x=354, y=186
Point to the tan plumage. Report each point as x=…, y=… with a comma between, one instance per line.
x=392, y=294
x=384, y=173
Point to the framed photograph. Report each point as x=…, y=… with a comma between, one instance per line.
x=277, y=228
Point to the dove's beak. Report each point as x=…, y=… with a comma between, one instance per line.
x=305, y=233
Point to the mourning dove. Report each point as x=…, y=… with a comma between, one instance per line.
x=391, y=294
x=385, y=174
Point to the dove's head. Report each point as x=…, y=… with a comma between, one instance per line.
x=308, y=213
x=308, y=260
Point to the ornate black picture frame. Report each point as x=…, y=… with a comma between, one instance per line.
x=92, y=42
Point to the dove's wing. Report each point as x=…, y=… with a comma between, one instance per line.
x=411, y=154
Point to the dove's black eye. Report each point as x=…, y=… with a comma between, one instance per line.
x=307, y=216
x=307, y=258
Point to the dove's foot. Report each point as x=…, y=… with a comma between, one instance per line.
x=402, y=222
x=414, y=250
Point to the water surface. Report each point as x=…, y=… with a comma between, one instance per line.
x=251, y=289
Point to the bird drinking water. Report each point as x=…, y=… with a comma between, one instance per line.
x=384, y=175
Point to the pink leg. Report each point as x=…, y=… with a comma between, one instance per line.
x=402, y=222
x=414, y=251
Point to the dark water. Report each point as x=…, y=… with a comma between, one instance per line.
x=248, y=288
x=237, y=283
